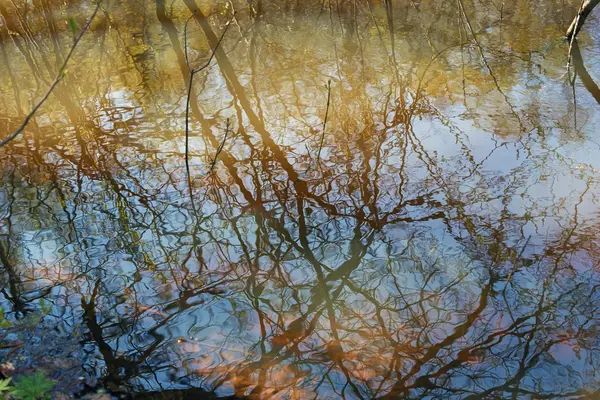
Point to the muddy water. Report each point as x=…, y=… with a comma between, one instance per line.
x=430, y=232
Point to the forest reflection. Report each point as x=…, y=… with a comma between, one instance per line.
x=442, y=244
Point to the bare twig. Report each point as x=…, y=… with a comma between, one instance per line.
x=325, y=120
x=214, y=161
x=12, y=346
x=185, y=47
x=193, y=72
x=59, y=76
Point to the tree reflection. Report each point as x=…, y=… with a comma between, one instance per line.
x=444, y=248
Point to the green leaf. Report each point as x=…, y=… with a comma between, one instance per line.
x=32, y=387
x=45, y=308
x=72, y=25
x=4, y=385
x=4, y=323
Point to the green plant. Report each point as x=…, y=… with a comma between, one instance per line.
x=46, y=309
x=4, y=323
x=32, y=387
x=4, y=385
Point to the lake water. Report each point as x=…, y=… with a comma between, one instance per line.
x=431, y=231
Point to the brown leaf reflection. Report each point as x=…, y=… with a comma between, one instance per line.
x=437, y=240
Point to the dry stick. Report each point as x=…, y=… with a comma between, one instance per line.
x=192, y=73
x=220, y=147
x=325, y=121
x=59, y=76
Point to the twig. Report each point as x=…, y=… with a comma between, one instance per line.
x=185, y=48
x=194, y=72
x=220, y=147
x=12, y=346
x=59, y=76
x=324, y=121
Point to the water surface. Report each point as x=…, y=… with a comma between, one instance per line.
x=435, y=238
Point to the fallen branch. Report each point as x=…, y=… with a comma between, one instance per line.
x=328, y=86
x=586, y=8
x=193, y=72
x=59, y=76
x=574, y=24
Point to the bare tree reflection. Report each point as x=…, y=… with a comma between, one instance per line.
x=444, y=249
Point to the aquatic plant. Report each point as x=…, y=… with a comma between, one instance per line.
x=33, y=387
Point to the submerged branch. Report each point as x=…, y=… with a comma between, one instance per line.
x=59, y=76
